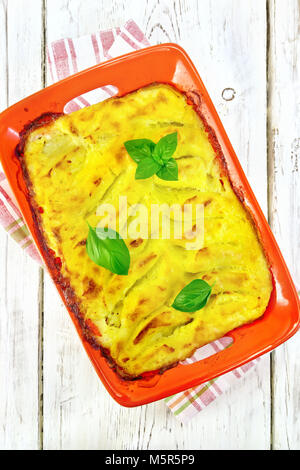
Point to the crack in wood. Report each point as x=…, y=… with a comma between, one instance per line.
x=41, y=271
x=41, y=359
x=270, y=179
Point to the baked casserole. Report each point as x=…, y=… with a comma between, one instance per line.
x=74, y=163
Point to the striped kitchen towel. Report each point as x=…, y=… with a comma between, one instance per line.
x=68, y=56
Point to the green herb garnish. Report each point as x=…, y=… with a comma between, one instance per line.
x=107, y=249
x=154, y=159
x=193, y=297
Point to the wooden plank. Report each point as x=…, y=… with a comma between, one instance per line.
x=20, y=58
x=284, y=201
x=228, y=45
x=74, y=400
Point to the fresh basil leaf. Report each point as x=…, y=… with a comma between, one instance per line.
x=107, y=249
x=154, y=158
x=169, y=171
x=146, y=168
x=165, y=147
x=193, y=297
x=139, y=148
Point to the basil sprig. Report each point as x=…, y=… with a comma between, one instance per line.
x=193, y=296
x=154, y=159
x=107, y=249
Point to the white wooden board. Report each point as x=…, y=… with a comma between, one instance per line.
x=284, y=161
x=20, y=71
x=227, y=40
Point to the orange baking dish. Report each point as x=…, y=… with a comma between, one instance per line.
x=166, y=63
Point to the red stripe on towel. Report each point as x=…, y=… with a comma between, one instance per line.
x=61, y=59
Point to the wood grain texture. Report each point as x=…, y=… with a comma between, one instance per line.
x=78, y=413
x=20, y=66
x=284, y=200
